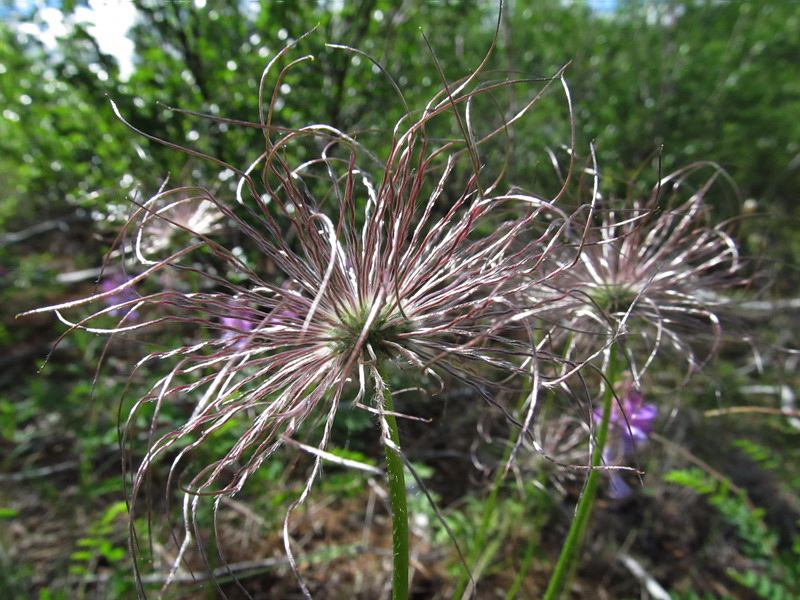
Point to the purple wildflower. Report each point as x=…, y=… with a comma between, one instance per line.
x=629, y=427
x=238, y=321
x=122, y=298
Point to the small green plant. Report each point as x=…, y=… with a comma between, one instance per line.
x=772, y=573
x=103, y=543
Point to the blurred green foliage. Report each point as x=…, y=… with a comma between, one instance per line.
x=669, y=82
x=705, y=80
x=771, y=574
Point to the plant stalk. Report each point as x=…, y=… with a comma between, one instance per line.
x=397, y=497
x=572, y=544
x=479, y=545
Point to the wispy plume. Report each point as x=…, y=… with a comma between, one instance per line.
x=651, y=276
x=348, y=267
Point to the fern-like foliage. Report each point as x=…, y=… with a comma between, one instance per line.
x=771, y=574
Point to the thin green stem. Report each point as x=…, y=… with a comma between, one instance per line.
x=397, y=496
x=479, y=543
x=527, y=559
x=572, y=544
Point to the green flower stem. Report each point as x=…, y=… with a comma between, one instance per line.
x=478, y=545
x=527, y=559
x=397, y=496
x=565, y=565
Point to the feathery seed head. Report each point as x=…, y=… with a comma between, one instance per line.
x=651, y=276
x=342, y=265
